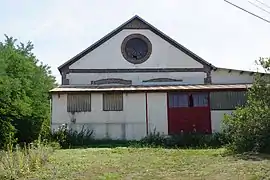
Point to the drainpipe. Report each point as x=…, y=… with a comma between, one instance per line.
x=146, y=112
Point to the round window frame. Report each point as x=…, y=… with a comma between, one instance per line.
x=143, y=38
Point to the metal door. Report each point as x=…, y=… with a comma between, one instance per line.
x=188, y=112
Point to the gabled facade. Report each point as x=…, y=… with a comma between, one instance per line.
x=137, y=79
x=166, y=59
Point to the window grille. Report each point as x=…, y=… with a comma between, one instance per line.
x=78, y=102
x=177, y=100
x=227, y=100
x=112, y=102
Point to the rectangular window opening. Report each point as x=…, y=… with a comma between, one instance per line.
x=200, y=99
x=227, y=100
x=113, y=102
x=177, y=100
x=78, y=102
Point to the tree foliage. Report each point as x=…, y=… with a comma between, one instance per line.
x=248, y=127
x=24, y=98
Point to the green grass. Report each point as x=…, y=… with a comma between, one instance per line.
x=151, y=163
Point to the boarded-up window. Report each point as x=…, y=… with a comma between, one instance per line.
x=227, y=100
x=113, y=102
x=79, y=102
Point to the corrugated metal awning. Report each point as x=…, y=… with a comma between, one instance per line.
x=78, y=88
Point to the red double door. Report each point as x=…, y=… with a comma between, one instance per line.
x=189, y=112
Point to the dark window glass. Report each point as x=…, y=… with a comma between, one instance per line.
x=200, y=99
x=188, y=100
x=227, y=100
x=178, y=100
x=136, y=48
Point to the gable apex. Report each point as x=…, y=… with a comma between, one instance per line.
x=136, y=22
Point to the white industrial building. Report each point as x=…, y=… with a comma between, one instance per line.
x=136, y=80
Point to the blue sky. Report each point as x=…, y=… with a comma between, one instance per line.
x=219, y=33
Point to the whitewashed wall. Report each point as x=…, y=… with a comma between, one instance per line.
x=164, y=55
x=157, y=112
x=108, y=55
x=111, y=124
x=137, y=78
x=129, y=123
x=217, y=117
x=221, y=76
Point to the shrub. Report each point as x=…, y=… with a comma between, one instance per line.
x=184, y=140
x=154, y=139
x=7, y=134
x=24, y=86
x=248, y=128
x=20, y=161
x=67, y=137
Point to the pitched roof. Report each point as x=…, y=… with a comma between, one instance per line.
x=129, y=25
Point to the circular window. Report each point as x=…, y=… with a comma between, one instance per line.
x=136, y=48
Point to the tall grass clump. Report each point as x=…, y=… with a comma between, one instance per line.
x=19, y=161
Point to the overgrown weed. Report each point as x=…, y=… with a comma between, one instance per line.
x=19, y=161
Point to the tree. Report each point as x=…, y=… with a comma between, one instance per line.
x=248, y=128
x=24, y=86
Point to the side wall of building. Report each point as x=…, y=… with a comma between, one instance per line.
x=131, y=123
x=224, y=76
x=139, y=78
x=220, y=76
x=127, y=124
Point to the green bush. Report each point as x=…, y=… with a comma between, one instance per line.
x=24, y=98
x=248, y=128
x=68, y=137
x=154, y=139
x=184, y=140
x=7, y=134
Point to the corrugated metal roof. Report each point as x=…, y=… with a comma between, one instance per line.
x=70, y=88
